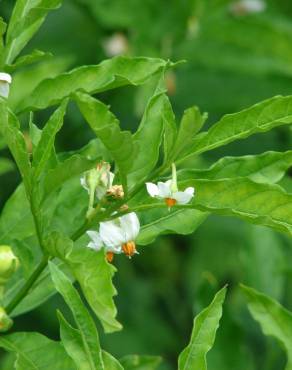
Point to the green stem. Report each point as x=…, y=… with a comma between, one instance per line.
x=28, y=284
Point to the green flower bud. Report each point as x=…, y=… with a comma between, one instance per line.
x=9, y=263
x=5, y=321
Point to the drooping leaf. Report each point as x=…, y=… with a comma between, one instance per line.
x=9, y=129
x=136, y=362
x=159, y=222
x=82, y=318
x=45, y=146
x=94, y=275
x=262, y=204
x=147, y=139
x=110, y=74
x=35, y=351
x=268, y=167
x=260, y=117
x=205, y=326
x=274, y=319
x=26, y=18
x=106, y=127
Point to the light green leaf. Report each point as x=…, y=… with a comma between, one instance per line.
x=262, y=204
x=34, y=57
x=2, y=31
x=147, y=139
x=191, y=123
x=110, y=74
x=45, y=146
x=82, y=318
x=179, y=221
x=5, y=166
x=274, y=319
x=106, y=127
x=170, y=129
x=268, y=167
x=136, y=362
x=94, y=275
x=26, y=18
x=25, y=255
x=110, y=363
x=36, y=352
x=9, y=128
x=205, y=326
x=260, y=117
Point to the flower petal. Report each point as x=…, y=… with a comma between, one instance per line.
x=152, y=189
x=83, y=183
x=164, y=189
x=111, y=234
x=96, y=242
x=130, y=225
x=184, y=197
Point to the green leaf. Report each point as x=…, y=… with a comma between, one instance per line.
x=9, y=128
x=2, y=31
x=268, y=167
x=111, y=363
x=73, y=166
x=5, y=166
x=45, y=146
x=147, y=139
x=94, y=275
x=262, y=204
x=110, y=74
x=36, y=352
x=34, y=57
x=106, y=127
x=82, y=318
x=136, y=362
x=191, y=123
x=26, y=19
x=179, y=221
x=260, y=117
x=205, y=326
x=274, y=319
x=170, y=130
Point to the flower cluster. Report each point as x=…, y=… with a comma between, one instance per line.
x=119, y=235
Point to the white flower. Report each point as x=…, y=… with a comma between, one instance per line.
x=5, y=81
x=100, y=179
x=116, y=236
x=243, y=7
x=169, y=191
x=115, y=45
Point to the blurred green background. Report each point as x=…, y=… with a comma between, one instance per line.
x=235, y=58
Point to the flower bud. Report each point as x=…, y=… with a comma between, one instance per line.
x=5, y=81
x=5, y=321
x=9, y=263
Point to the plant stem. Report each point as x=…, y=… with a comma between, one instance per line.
x=28, y=284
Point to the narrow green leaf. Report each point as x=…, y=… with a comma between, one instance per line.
x=73, y=344
x=36, y=352
x=26, y=18
x=2, y=31
x=262, y=204
x=106, y=127
x=268, y=167
x=45, y=146
x=111, y=363
x=191, y=123
x=34, y=57
x=94, y=275
x=9, y=129
x=73, y=166
x=136, y=362
x=159, y=222
x=170, y=129
x=82, y=318
x=274, y=319
x=110, y=74
x=147, y=139
x=205, y=326
x=260, y=117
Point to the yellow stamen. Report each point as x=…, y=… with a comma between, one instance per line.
x=129, y=249
x=109, y=256
x=170, y=202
